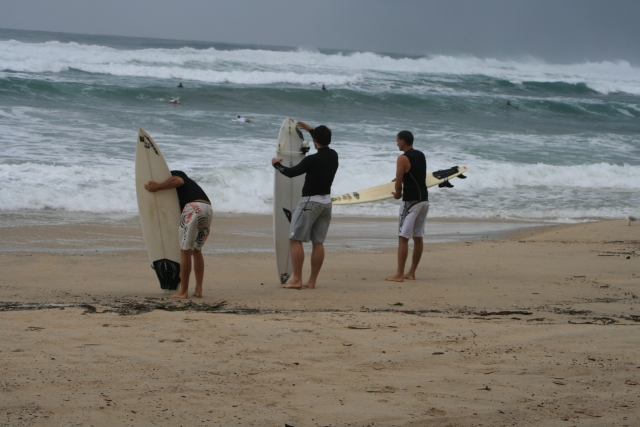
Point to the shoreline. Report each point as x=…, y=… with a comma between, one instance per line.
x=232, y=233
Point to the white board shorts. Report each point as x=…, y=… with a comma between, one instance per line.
x=412, y=218
x=310, y=221
x=195, y=224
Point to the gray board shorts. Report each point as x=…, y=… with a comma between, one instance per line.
x=310, y=221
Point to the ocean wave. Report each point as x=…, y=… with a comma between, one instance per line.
x=492, y=190
x=262, y=66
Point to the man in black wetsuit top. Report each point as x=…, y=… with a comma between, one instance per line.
x=195, y=224
x=411, y=186
x=311, y=219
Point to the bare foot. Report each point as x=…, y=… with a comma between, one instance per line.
x=197, y=294
x=309, y=285
x=180, y=296
x=410, y=276
x=293, y=285
x=395, y=278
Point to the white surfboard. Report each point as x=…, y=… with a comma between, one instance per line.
x=286, y=194
x=382, y=192
x=159, y=212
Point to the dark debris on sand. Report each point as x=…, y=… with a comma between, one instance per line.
x=126, y=308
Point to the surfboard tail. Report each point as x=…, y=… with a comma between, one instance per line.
x=168, y=273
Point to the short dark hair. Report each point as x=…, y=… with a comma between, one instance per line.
x=321, y=135
x=406, y=136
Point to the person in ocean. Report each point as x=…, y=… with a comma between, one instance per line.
x=195, y=224
x=411, y=187
x=514, y=106
x=180, y=85
x=310, y=221
x=324, y=88
x=175, y=101
x=241, y=119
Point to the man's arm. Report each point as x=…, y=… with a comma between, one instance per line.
x=402, y=166
x=304, y=126
x=297, y=170
x=173, y=182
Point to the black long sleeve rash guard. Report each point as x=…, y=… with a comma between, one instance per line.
x=320, y=168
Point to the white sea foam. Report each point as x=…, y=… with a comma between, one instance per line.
x=492, y=190
x=260, y=66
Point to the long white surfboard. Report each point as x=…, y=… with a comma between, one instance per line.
x=382, y=192
x=286, y=194
x=159, y=212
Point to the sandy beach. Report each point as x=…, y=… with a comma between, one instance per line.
x=536, y=328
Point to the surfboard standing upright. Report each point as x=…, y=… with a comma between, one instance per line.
x=159, y=212
x=286, y=194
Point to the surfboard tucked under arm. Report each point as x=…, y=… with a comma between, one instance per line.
x=382, y=192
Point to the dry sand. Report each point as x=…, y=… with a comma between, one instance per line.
x=542, y=329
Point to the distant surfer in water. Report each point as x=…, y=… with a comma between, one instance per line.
x=175, y=101
x=324, y=88
x=517, y=107
x=241, y=119
x=180, y=85
x=195, y=223
x=311, y=219
x=411, y=187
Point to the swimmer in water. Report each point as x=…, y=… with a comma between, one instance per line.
x=324, y=88
x=180, y=85
x=517, y=107
x=241, y=119
x=174, y=101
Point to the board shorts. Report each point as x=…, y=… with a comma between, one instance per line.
x=310, y=221
x=412, y=218
x=195, y=224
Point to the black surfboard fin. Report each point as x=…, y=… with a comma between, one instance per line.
x=168, y=273
x=446, y=184
x=462, y=176
x=287, y=213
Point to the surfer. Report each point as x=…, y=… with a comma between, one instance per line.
x=411, y=176
x=241, y=119
x=180, y=85
x=324, y=88
x=311, y=219
x=517, y=107
x=195, y=224
x=175, y=101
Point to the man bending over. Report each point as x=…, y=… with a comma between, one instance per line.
x=195, y=224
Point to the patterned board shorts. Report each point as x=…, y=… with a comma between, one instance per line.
x=194, y=225
x=310, y=221
x=412, y=218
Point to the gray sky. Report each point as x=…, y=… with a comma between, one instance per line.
x=555, y=30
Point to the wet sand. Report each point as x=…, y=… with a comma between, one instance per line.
x=538, y=329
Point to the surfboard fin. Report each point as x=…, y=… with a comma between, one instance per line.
x=446, y=184
x=281, y=145
x=462, y=176
x=304, y=148
x=168, y=273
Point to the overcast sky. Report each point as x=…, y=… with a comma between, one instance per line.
x=554, y=30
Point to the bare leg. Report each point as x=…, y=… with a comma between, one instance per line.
x=418, y=244
x=317, y=258
x=198, y=269
x=185, y=272
x=297, y=259
x=403, y=252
